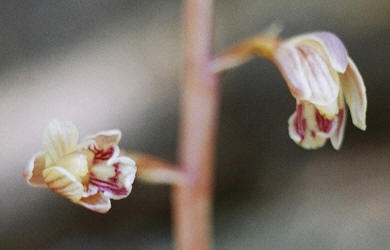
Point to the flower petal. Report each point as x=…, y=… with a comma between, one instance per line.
x=98, y=203
x=337, y=137
x=355, y=94
x=115, y=178
x=59, y=139
x=330, y=44
x=322, y=80
x=288, y=61
x=103, y=145
x=105, y=139
x=61, y=181
x=330, y=110
x=303, y=129
x=33, y=171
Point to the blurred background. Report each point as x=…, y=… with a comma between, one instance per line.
x=116, y=64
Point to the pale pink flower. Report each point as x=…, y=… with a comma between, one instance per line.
x=320, y=75
x=89, y=173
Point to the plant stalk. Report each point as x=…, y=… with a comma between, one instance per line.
x=192, y=201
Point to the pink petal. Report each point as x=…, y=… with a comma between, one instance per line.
x=330, y=44
x=115, y=178
x=337, y=137
x=33, y=171
x=288, y=61
x=355, y=94
x=98, y=203
x=321, y=79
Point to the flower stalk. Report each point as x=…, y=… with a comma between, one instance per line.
x=192, y=201
x=154, y=170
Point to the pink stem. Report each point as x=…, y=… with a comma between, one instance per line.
x=192, y=201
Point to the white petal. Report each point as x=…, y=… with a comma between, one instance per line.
x=61, y=181
x=115, y=178
x=288, y=61
x=330, y=44
x=59, y=139
x=322, y=80
x=104, y=139
x=337, y=137
x=33, y=170
x=98, y=203
x=355, y=94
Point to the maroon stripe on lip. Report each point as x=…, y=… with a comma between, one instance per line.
x=300, y=122
x=109, y=187
x=101, y=154
x=324, y=124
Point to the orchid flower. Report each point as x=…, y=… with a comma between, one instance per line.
x=89, y=173
x=320, y=75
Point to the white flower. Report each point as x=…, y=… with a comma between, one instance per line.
x=320, y=75
x=89, y=173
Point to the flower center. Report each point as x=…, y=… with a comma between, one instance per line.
x=76, y=164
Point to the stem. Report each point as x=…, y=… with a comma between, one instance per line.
x=154, y=170
x=192, y=201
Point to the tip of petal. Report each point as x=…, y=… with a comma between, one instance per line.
x=98, y=203
x=105, y=139
x=33, y=171
x=334, y=47
x=361, y=126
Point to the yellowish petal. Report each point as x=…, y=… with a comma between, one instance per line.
x=338, y=136
x=62, y=182
x=355, y=94
x=33, y=171
x=98, y=203
x=59, y=139
x=76, y=164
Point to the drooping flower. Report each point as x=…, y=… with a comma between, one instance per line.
x=89, y=173
x=320, y=75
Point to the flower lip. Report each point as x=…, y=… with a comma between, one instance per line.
x=309, y=129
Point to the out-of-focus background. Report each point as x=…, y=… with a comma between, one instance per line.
x=116, y=64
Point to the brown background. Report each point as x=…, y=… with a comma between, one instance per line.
x=116, y=64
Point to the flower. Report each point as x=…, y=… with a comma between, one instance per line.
x=89, y=173
x=320, y=75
